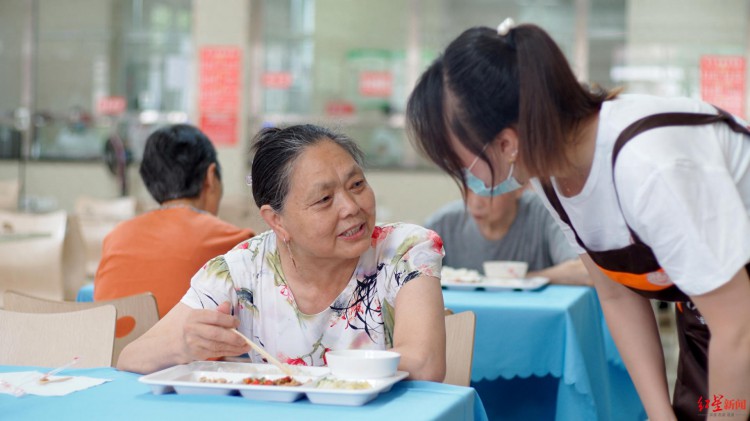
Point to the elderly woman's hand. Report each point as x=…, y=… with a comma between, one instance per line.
x=208, y=334
x=182, y=336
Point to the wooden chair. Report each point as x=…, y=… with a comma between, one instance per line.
x=74, y=259
x=96, y=218
x=32, y=262
x=54, y=339
x=135, y=314
x=9, y=190
x=459, y=350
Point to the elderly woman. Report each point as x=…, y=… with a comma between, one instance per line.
x=324, y=277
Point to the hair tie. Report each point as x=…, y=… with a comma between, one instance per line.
x=249, y=180
x=505, y=27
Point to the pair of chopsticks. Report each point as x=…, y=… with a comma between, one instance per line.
x=283, y=367
x=44, y=379
x=46, y=376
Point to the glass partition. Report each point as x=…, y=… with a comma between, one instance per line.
x=97, y=70
x=351, y=65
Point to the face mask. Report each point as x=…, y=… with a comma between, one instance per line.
x=476, y=185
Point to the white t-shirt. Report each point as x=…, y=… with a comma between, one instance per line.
x=251, y=278
x=684, y=190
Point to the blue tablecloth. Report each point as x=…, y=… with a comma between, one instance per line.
x=125, y=398
x=555, y=334
x=86, y=293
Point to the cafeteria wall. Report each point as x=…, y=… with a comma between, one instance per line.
x=653, y=30
x=402, y=194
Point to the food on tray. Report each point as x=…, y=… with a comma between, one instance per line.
x=262, y=381
x=213, y=380
x=449, y=274
x=330, y=383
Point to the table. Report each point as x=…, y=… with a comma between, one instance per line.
x=125, y=398
x=86, y=293
x=546, y=355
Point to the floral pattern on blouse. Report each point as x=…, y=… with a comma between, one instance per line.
x=251, y=278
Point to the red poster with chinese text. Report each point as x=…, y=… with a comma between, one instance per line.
x=220, y=76
x=375, y=84
x=723, y=82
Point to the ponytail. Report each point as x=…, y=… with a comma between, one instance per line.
x=552, y=104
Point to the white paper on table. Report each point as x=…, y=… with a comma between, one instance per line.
x=28, y=382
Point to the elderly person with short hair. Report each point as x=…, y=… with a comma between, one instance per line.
x=160, y=250
x=325, y=277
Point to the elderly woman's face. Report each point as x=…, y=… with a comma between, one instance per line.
x=330, y=209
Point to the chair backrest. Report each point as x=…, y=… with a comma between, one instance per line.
x=117, y=209
x=31, y=253
x=54, y=339
x=459, y=351
x=74, y=259
x=135, y=314
x=96, y=218
x=9, y=190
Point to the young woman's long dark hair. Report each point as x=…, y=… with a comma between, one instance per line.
x=484, y=83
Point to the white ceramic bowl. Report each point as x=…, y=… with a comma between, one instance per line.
x=496, y=269
x=362, y=363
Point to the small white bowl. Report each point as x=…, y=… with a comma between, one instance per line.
x=362, y=363
x=497, y=269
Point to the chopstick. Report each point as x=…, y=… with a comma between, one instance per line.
x=45, y=377
x=285, y=369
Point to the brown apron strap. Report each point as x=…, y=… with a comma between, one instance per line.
x=667, y=120
x=549, y=191
x=673, y=119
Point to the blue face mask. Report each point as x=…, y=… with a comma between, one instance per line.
x=476, y=185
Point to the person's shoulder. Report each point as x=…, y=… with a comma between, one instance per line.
x=532, y=207
x=627, y=108
x=530, y=200
x=131, y=227
x=214, y=224
x=130, y=223
x=399, y=239
x=398, y=233
x=255, y=245
x=446, y=213
x=404, y=235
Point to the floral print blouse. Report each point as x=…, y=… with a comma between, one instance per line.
x=250, y=277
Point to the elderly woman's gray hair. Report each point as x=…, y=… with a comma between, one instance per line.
x=275, y=151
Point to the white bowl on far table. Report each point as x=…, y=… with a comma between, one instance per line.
x=505, y=269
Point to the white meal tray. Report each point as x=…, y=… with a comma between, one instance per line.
x=489, y=284
x=184, y=379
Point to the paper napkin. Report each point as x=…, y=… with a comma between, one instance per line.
x=27, y=382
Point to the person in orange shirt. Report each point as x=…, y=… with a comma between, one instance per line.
x=159, y=251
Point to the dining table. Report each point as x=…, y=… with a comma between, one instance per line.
x=546, y=354
x=124, y=397
x=85, y=293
